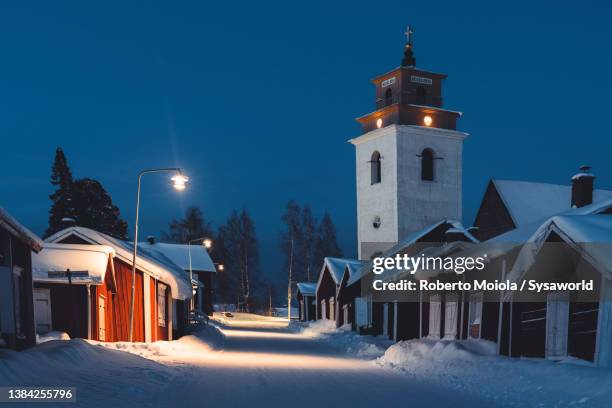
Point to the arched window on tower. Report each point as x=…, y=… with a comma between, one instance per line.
x=427, y=165
x=421, y=95
x=375, y=168
x=388, y=97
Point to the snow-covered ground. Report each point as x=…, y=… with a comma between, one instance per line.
x=253, y=360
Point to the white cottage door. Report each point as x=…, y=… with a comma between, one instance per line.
x=435, y=314
x=385, y=319
x=450, y=317
x=345, y=314
x=101, y=318
x=323, y=310
x=557, y=321
x=42, y=310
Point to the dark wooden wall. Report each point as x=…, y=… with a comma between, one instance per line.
x=68, y=308
x=492, y=218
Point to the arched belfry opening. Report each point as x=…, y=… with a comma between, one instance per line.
x=427, y=165
x=375, y=168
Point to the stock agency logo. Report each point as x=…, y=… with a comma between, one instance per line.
x=412, y=264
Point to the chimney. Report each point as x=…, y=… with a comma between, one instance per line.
x=151, y=239
x=582, y=187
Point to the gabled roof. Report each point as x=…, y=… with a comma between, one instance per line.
x=591, y=235
x=307, y=288
x=15, y=228
x=89, y=263
x=336, y=268
x=179, y=254
x=153, y=264
x=454, y=226
x=528, y=201
x=506, y=242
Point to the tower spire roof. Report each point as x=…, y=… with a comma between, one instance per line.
x=409, y=59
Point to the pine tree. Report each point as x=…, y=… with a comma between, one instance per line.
x=327, y=242
x=94, y=209
x=193, y=226
x=62, y=211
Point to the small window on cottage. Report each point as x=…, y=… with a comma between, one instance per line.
x=427, y=165
x=388, y=97
x=161, y=305
x=421, y=95
x=375, y=168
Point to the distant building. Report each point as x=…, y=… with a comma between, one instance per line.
x=307, y=300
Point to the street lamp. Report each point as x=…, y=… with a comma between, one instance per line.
x=220, y=266
x=206, y=243
x=179, y=182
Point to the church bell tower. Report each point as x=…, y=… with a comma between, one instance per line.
x=408, y=157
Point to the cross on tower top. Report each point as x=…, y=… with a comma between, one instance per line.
x=409, y=32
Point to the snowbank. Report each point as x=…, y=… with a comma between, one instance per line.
x=88, y=367
x=206, y=339
x=472, y=366
x=52, y=335
x=347, y=341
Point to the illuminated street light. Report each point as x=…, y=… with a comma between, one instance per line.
x=179, y=182
x=207, y=242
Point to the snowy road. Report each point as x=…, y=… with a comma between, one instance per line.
x=265, y=363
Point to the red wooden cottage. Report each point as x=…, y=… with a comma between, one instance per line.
x=556, y=325
x=16, y=310
x=306, y=297
x=161, y=298
x=328, y=284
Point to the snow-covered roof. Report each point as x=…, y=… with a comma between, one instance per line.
x=14, y=227
x=506, y=242
x=408, y=241
x=179, y=254
x=154, y=264
x=88, y=263
x=336, y=267
x=307, y=288
x=591, y=235
x=529, y=201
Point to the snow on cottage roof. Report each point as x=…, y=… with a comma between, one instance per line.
x=506, y=242
x=336, y=267
x=14, y=227
x=410, y=240
x=153, y=264
x=528, y=201
x=179, y=254
x=88, y=262
x=590, y=234
x=307, y=289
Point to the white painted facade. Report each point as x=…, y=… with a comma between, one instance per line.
x=402, y=200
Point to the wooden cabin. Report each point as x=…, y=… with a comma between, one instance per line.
x=400, y=315
x=161, y=287
x=564, y=324
x=16, y=308
x=68, y=280
x=328, y=285
x=510, y=204
x=306, y=297
x=196, y=262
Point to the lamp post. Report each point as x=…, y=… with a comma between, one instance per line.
x=206, y=243
x=179, y=182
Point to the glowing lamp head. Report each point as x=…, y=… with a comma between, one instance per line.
x=221, y=267
x=427, y=120
x=207, y=242
x=379, y=123
x=179, y=182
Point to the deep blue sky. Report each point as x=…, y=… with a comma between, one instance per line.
x=256, y=101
